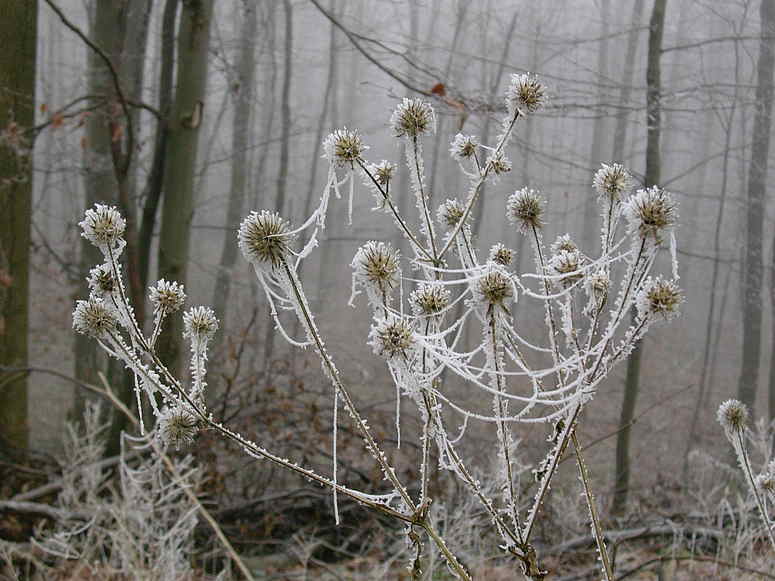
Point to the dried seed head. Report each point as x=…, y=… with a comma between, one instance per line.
x=383, y=172
x=463, y=146
x=499, y=164
x=377, y=264
x=177, y=427
x=429, y=299
x=567, y=262
x=101, y=281
x=598, y=283
x=93, y=318
x=766, y=482
x=524, y=94
x=167, y=297
x=392, y=339
x=343, y=147
x=650, y=212
x=450, y=213
x=659, y=297
x=199, y=323
x=501, y=255
x=612, y=181
x=563, y=243
x=263, y=239
x=524, y=209
x=494, y=288
x=104, y=227
x=413, y=118
x=733, y=416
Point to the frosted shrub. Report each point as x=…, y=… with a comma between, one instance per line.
x=586, y=298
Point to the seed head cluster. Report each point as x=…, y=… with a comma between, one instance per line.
x=463, y=146
x=499, y=164
x=659, y=297
x=525, y=94
x=502, y=255
x=413, y=118
x=450, y=213
x=495, y=288
x=199, y=323
x=377, y=264
x=612, y=181
x=651, y=212
x=568, y=263
x=263, y=239
x=392, y=338
x=733, y=416
x=101, y=281
x=429, y=299
x=103, y=226
x=93, y=318
x=343, y=147
x=524, y=209
x=168, y=297
x=177, y=427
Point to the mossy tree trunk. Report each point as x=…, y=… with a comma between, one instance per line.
x=18, y=36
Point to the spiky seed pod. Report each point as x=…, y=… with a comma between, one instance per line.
x=463, y=146
x=177, y=427
x=101, y=281
x=199, y=323
x=343, y=147
x=377, y=264
x=93, y=318
x=567, y=262
x=494, y=288
x=597, y=284
x=383, y=172
x=392, y=338
x=413, y=118
x=525, y=94
x=499, y=164
x=168, y=297
x=659, y=297
x=733, y=416
x=612, y=181
x=524, y=209
x=450, y=213
x=563, y=243
x=263, y=239
x=429, y=299
x=501, y=255
x=104, y=227
x=650, y=212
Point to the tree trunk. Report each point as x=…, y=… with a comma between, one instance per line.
x=18, y=36
x=620, y=129
x=180, y=163
x=632, y=382
x=757, y=176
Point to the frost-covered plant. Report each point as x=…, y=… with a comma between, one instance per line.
x=734, y=418
x=548, y=380
x=142, y=530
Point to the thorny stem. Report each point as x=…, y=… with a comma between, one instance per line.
x=597, y=529
x=425, y=430
x=478, y=187
x=417, y=244
x=371, y=444
x=502, y=426
x=752, y=483
x=452, y=560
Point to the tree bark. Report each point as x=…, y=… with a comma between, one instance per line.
x=181, y=155
x=757, y=176
x=18, y=36
x=653, y=170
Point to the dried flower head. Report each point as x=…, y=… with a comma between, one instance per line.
x=766, y=482
x=429, y=299
x=598, y=283
x=343, y=146
x=494, y=288
x=659, y=297
x=524, y=94
x=263, y=239
x=650, y=212
x=104, y=227
x=382, y=172
x=450, y=213
x=94, y=318
x=377, y=264
x=168, y=297
x=499, y=164
x=502, y=255
x=563, y=243
x=413, y=118
x=612, y=181
x=463, y=146
x=524, y=209
x=199, y=323
x=392, y=338
x=733, y=416
x=101, y=281
x=177, y=427
x=568, y=263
